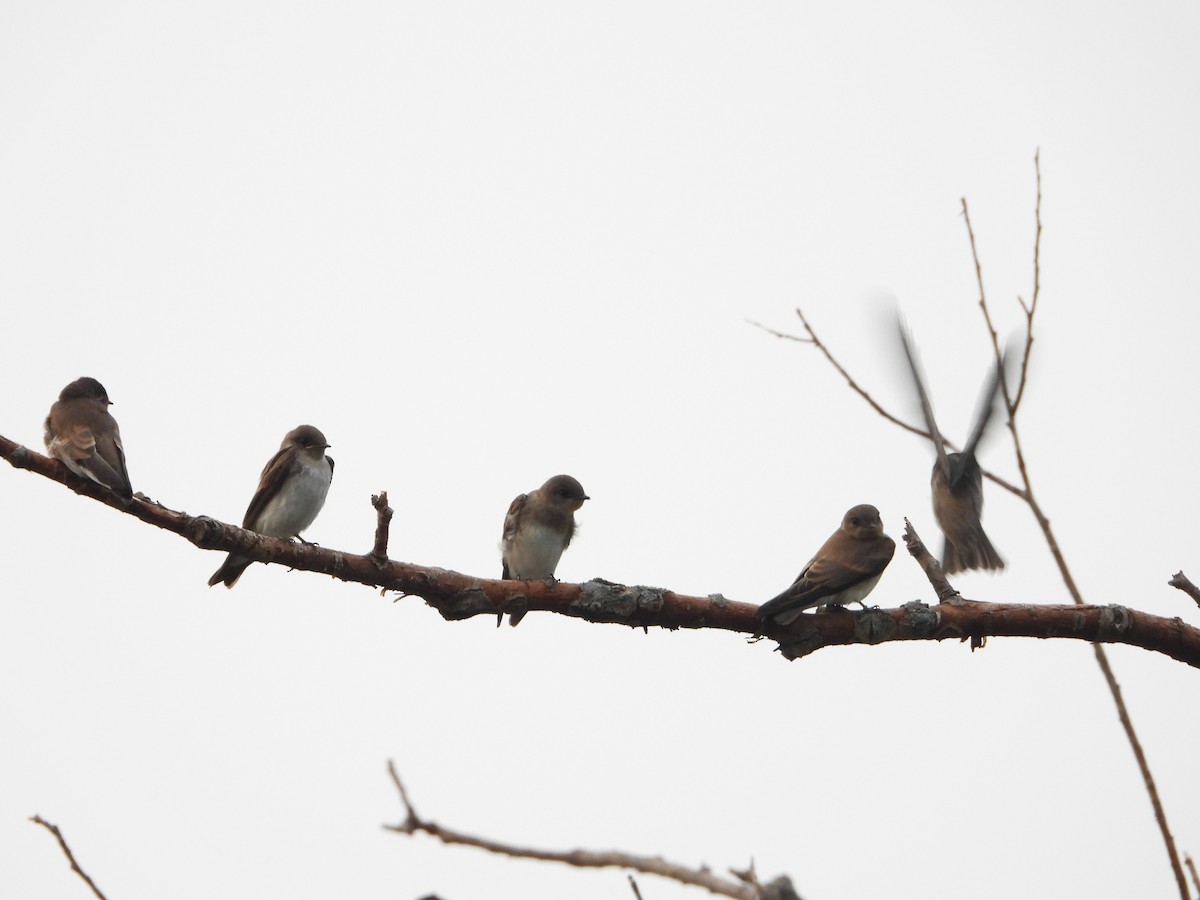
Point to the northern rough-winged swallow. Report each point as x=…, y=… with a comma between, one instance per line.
x=957, y=481
x=81, y=433
x=291, y=491
x=845, y=569
x=537, y=529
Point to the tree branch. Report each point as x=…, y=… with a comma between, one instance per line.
x=931, y=567
x=871, y=401
x=458, y=596
x=380, y=502
x=62, y=842
x=648, y=865
x=1181, y=581
x=1110, y=678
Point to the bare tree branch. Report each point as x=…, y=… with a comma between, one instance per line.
x=380, y=502
x=1025, y=493
x=1192, y=868
x=1064, y=571
x=62, y=842
x=648, y=865
x=931, y=567
x=458, y=596
x=1181, y=581
x=871, y=401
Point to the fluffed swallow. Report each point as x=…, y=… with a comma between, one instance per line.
x=845, y=569
x=291, y=491
x=537, y=529
x=957, y=482
x=81, y=432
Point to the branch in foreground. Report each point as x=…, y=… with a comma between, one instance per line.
x=457, y=596
x=648, y=865
x=1181, y=581
x=62, y=842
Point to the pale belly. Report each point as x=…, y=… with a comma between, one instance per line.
x=855, y=594
x=535, y=554
x=293, y=509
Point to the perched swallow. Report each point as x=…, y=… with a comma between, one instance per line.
x=81, y=433
x=957, y=481
x=845, y=569
x=291, y=491
x=537, y=529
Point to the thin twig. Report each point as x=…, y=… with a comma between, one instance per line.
x=931, y=567
x=62, y=842
x=384, y=518
x=782, y=334
x=1065, y=572
x=647, y=865
x=1031, y=309
x=636, y=891
x=1187, y=858
x=1181, y=581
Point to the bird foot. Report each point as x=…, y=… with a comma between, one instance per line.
x=835, y=608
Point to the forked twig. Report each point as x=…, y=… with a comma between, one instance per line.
x=1012, y=403
x=1064, y=571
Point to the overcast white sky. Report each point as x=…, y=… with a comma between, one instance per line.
x=479, y=244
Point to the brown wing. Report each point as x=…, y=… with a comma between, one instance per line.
x=274, y=474
x=75, y=443
x=80, y=431
x=109, y=461
x=845, y=565
x=513, y=517
x=914, y=368
x=512, y=520
x=841, y=563
x=69, y=430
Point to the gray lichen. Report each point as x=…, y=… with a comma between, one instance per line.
x=600, y=599
x=874, y=626
x=921, y=618
x=1115, y=621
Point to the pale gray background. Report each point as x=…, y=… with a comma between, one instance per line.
x=482, y=243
